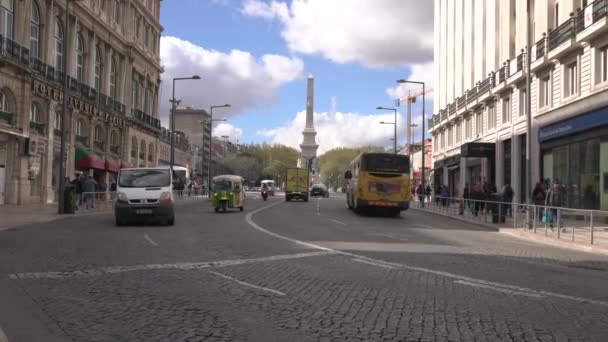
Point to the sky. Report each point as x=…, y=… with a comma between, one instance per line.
x=256, y=55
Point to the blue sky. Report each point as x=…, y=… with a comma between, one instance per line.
x=356, y=82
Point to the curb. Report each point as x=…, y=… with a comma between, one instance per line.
x=524, y=235
x=462, y=219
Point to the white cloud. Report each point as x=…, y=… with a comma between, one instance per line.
x=379, y=33
x=234, y=77
x=340, y=130
x=225, y=129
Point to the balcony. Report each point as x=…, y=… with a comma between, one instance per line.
x=592, y=20
x=561, y=40
x=452, y=109
x=9, y=49
x=82, y=140
x=37, y=127
x=116, y=150
x=99, y=145
x=145, y=118
x=6, y=118
x=461, y=102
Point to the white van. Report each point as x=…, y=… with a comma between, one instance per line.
x=270, y=185
x=144, y=193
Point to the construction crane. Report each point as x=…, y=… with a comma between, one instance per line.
x=409, y=99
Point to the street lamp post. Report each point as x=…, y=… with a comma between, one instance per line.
x=423, y=122
x=394, y=123
x=172, y=123
x=211, y=141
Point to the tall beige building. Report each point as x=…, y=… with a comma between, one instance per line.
x=479, y=130
x=114, y=72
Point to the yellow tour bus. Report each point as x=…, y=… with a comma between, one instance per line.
x=379, y=180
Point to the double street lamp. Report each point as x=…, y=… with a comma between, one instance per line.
x=423, y=154
x=211, y=140
x=391, y=123
x=172, y=123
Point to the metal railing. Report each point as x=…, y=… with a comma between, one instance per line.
x=37, y=127
x=540, y=47
x=103, y=201
x=7, y=117
x=599, y=11
x=584, y=226
x=461, y=102
x=561, y=34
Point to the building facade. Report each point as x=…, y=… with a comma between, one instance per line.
x=479, y=130
x=182, y=150
x=110, y=52
x=415, y=153
x=194, y=123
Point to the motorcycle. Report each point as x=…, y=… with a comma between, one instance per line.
x=264, y=194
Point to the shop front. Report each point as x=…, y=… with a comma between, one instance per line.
x=575, y=154
x=479, y=163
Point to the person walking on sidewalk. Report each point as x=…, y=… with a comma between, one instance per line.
x=538, y=196
x=88, y=188
x=420, y=192
x=427, y=192
x=77, y=183
x=507, y=197
x=555, y=200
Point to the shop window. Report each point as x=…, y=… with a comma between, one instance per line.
x=34, y=30
x=571, y=80
x=506, y=109
x=491, y=117
x=7, y=14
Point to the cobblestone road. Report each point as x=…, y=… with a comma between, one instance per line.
x=294, y=272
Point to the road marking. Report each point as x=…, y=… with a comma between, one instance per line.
x=318, y=207
x=247, y=284
x=150, y=240
x=180, y=266
x=338, y=222
x=388, y=267
x=255, y=226
x=499, y=289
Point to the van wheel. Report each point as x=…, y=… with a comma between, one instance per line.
x=171, y=221
x=287, y=198
x=241, y=208
x=120, y=222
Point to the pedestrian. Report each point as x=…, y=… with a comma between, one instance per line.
x=428, y=192
x=77, y=183
x=554, y=201
x=420, y=192
x=507, y=197
x=88, y=189
x=477, y=196
x=538, y=196
x=445, y=196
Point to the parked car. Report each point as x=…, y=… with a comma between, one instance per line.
x=319, y=190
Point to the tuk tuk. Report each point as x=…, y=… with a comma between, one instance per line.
x=227, y=193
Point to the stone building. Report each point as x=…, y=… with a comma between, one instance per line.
x=194, y=123
x=182, y=149
x=481, y=98
x=110, y=51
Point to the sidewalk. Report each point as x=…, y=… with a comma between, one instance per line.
x=18, y=215
x=575, y=233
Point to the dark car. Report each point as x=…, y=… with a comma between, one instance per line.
x=319, y=190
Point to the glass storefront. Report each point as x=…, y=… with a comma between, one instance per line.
x=576, y=166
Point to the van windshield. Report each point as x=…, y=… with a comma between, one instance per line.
x=144, y=178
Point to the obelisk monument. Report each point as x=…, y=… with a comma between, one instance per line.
x=309, y=146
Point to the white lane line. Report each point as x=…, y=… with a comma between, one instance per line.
x=247, y=284
x=388, y=267
x=150, y=240
x=180, y=266
x=338, y=222
x=255, y=226
x=499, y=289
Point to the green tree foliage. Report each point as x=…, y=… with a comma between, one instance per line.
x=263, y=161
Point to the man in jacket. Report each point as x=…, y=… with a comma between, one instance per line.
x=554, y=200
x=89, y=186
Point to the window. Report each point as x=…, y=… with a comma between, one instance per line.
x=114, y=138
x=506, y=109
x=3, y=102
x=523, y=101
x=544, y=90
x=154, y=43
x=134, y=92
x=58, y=119
x=79, y=58
x=450, y=138
x=58, y=37
x=491, y=117
x=142, y=150
x=468, y=129
x=147, y=37
x=571, y=79
x=443, y=141
x=6, y=18
x=99, y=133
x=478, y=124
x=113, y=76
x=115, y=10
x=133, y=147
x=34, y=30
x=151, y=152
x=80, y=131
x=35, y=113
x=146, y=100
x=98, y=69
x=556, y=15
x=603, y=64
x=137, y=25
x=458, y=132
x=435, y=145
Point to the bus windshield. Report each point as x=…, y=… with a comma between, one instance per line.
x=381, y=162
